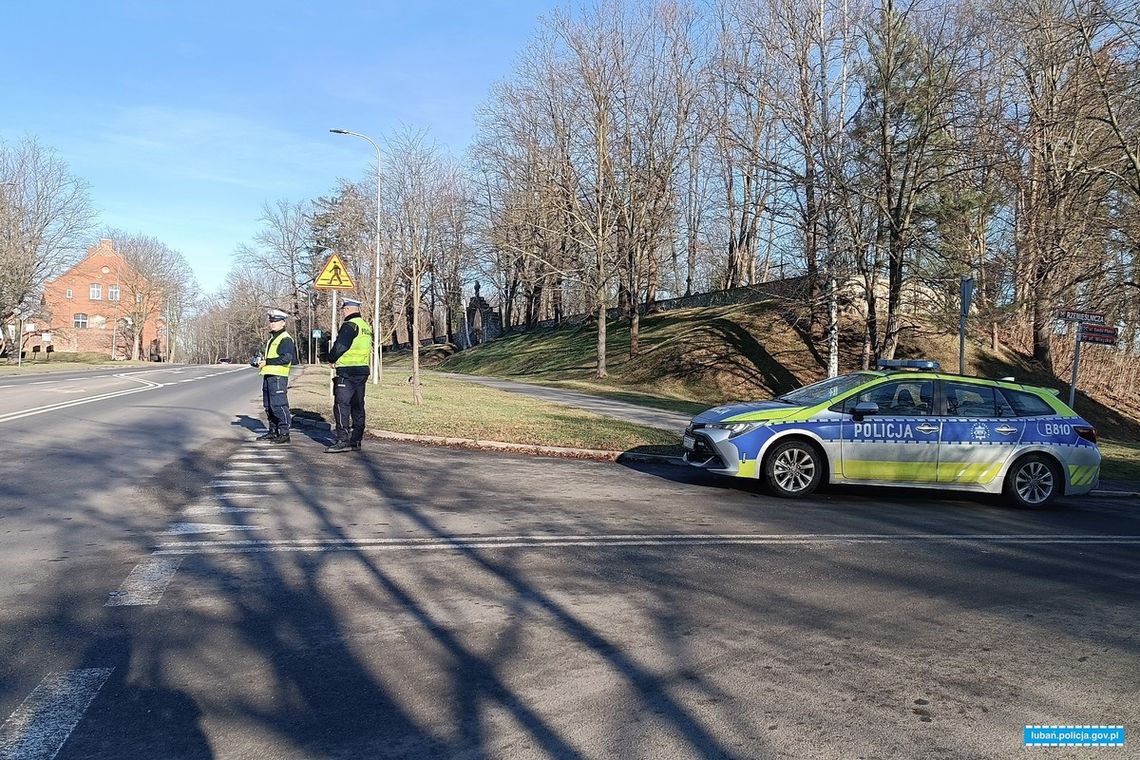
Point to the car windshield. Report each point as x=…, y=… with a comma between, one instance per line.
x=825, y=390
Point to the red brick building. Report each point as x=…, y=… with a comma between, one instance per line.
x=88, y=308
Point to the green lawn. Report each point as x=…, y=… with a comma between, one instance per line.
x=594, y=388
x=69, y=362
x=457, y=409
x=1121, y=460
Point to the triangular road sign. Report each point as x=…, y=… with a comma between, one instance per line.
x=334, y=276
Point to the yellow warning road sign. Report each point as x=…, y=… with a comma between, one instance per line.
x=334, y=276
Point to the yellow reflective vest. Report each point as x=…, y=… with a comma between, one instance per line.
x=271, y=347
x=360, y=351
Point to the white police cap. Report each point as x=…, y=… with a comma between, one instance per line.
x=276, y=315
x=350, y=303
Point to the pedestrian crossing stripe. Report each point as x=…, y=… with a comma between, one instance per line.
x=334, y=276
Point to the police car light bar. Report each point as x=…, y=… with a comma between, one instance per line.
x=929, y=364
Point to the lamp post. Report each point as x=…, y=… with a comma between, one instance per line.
x=377, y=356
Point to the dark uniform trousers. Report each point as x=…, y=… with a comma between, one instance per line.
x=276, y=400
x=348, y=407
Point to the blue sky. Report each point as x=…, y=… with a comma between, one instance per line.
x=185, y=116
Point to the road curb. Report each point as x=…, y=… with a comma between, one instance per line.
x=1115, y=494
x=525, y=448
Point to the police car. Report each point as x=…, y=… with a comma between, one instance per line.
x=906, y=424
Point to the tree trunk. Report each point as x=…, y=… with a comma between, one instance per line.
x=832, y=328
x=600, y=302
x=1042, y=330
x=556, y=297
x=894, y=298
x=417, y=395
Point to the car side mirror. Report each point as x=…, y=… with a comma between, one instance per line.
x=864, y=409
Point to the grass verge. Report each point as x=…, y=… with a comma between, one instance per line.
x=457, y=409
x=1121, y=461
x=36, y=367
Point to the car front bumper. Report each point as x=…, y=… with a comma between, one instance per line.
x=710, y=449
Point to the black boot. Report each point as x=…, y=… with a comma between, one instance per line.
x=338, y=448
x=283, y=438
x=268, y=435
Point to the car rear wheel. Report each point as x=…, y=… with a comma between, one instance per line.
x=793, y=469
x=1033, y=482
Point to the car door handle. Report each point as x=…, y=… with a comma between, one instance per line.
x=925, y=428
x=1006, y=430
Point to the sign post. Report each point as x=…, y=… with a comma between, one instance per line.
x=1076, y=370
x=1091, y=328
x=333, y=277
x=967, y=296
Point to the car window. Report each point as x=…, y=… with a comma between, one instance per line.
x=969, y=400
x=1002, y=407
x=901, y=398
x=825, y=390
x=1027, y=404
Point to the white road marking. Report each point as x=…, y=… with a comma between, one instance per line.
x=42, y=382
x=220, y=510
x=77, y=402
x=513, y=542
x=40, y=726
x=183, y=529
x=228, y=483
x=146, y=386
x=228, y=496
x=146, y=583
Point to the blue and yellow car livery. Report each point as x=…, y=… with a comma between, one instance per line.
x=904, y=425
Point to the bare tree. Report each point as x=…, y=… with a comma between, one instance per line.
x=45, y=212
x=284, y=247
x=153, y=277
x=414, y=202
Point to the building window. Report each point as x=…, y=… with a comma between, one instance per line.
x=80, y=321
x=96, y=291
x=112, y=292
x=70, y=294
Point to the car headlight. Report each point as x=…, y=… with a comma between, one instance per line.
x=735, y=428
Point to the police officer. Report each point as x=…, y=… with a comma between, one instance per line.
x=350, y=354
x=280, y=353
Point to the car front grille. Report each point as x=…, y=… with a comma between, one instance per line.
x=703, y=453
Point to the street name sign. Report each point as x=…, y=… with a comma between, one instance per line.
x=1081, y=316
x=1101, y=334
x=334, y=276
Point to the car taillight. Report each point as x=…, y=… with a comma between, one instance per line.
x=1087, y=432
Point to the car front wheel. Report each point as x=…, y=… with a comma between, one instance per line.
x=793, y=469
x=1033, y=482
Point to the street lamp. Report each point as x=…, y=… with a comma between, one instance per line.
x=377, y=356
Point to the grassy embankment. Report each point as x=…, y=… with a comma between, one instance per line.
x=1121, y=460
x=693, y=359
x=456, y=409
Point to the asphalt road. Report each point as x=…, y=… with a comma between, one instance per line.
x=170, y=588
